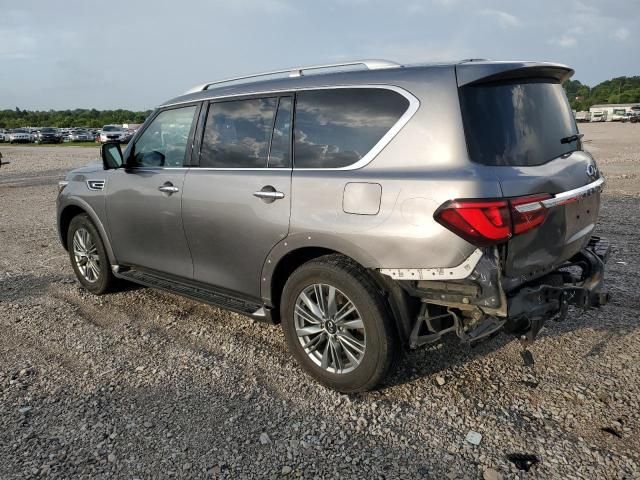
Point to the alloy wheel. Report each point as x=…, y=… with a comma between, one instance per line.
x=329, y=328
x=86, y=255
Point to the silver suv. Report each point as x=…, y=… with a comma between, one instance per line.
x=368, y=207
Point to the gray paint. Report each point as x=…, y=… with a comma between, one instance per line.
x=361, y=198
x=236, y=240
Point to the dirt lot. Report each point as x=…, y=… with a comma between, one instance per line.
x=143, y=384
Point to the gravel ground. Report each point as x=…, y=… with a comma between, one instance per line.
x=144, y=384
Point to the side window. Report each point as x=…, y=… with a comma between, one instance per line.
x=237, y=133
x=337, y=127
x=164, y=142
x=280, y=153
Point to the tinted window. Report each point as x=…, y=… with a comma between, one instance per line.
x=280, y=153
x=337, y=127
x=518, y=124
x=164, y=141
x=237, y=133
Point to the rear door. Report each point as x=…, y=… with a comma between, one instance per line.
x=524, y=130
x=237, y=202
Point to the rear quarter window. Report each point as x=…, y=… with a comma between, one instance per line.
x=336, y=128
x=517, y=124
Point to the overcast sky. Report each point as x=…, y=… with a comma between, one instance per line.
x=136, y=54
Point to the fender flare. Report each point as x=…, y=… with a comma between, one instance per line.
x=84, y=206
x=301, y=240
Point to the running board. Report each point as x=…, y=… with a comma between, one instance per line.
x=196, y=292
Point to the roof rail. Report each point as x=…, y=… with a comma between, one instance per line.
x=298, y=71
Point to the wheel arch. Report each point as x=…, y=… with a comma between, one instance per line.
x=73, y=208
x=402, y=308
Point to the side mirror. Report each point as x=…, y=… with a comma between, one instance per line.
x=111, y=155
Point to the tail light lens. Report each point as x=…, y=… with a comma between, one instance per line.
x=491, y=222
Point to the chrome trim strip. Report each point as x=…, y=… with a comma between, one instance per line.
x=414, y=104
x=452, y=273
x=96, y=184
x=563, y=197
x=580, y=192
x=529, y=207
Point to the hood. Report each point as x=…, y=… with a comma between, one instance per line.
x=90, y=168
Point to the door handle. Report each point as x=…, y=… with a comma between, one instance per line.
x=168, y=188
x=268, y=194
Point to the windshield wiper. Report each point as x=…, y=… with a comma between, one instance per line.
x=572, y=138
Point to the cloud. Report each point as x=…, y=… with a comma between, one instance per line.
x=621, y=33
x=506, y=20
x=564, y=41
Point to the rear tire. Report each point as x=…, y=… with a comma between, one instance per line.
x=348, y=352
x=88, y=256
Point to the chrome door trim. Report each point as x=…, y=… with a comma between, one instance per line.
x=414, y=104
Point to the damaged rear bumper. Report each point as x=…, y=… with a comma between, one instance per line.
x=578, y=282
x=485, y=302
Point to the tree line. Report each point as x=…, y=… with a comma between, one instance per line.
x=616, y=90
x=69, y=118
x=581, y=97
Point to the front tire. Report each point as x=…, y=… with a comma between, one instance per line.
x=337, y=326
x=88, y=256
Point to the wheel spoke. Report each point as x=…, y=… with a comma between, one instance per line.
x=336, y=353
x=350, y=341
x=313, y=344
x=311, y=330
x=315, y=309
x=332, y=308
x=352, y=358
x=308, y=316
x=325, y=356
x=345, y=311
x=351, y=324
x=317, y=288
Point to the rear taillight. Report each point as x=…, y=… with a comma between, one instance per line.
x=491, y=222
x=528, y=212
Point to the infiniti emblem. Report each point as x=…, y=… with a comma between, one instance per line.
x=592, y=170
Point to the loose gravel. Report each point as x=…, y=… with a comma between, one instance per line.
x=145, y=384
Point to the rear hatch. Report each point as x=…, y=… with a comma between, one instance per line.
x=518, y=123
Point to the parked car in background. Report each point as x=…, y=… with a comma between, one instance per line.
x=631, y=117
x=112, y=133
x=48, y=135
x=128, y=135
x=366, y=210
x=583, y=116
x=4, y=135
x=598, y=116
x=80, y=135
x=20, y=135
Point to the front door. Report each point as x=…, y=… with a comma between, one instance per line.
x=236, y=203
x=144, y=201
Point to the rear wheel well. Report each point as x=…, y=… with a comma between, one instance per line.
x=65, y=220
x=402, y=308
x=285, y=268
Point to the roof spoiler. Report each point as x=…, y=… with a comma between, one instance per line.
x=469, y=73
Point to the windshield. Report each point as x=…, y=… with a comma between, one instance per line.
x=111, y=128
x=20, y=130
x=517, y=124
x=48, y=130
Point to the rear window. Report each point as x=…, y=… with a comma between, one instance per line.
x=517, y=124
x=337, y=127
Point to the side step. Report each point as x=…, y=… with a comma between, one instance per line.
x=195, y=292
